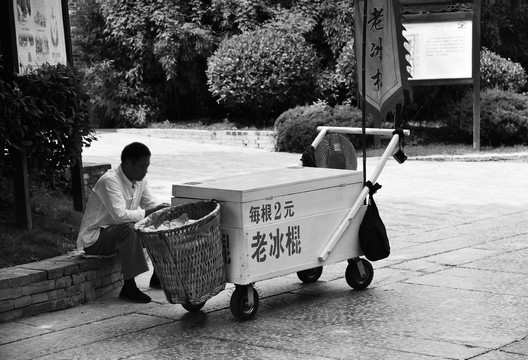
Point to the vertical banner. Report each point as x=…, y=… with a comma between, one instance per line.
x=39, y=31
x=385, y=63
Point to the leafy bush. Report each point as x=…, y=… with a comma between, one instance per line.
x=297, y=128
x=262, y=72
x=496, y=71
x=49, y=109
x=504, y=117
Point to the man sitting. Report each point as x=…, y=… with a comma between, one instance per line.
x=119, y=199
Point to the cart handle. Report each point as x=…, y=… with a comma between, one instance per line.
x=364, y=193
x=323, y=130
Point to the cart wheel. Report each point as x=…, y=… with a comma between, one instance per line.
x=192, y=307
x=353, y=274
x=310, y=275
x=239, y=303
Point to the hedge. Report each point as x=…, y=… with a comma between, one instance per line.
x=296, y=128
x=504, y=117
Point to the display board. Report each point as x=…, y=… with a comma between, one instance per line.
x=39, y=34
x=439, y=50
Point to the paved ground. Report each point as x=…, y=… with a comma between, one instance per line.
x=454, y=287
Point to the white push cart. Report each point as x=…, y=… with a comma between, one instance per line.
x=296, y=219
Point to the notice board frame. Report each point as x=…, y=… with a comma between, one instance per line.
x=9, y=45
x=473, y=15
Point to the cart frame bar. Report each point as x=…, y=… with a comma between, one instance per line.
x=372, y=178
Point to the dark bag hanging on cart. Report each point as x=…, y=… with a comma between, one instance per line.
x=372, y=233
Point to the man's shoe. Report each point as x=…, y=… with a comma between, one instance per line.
x=155, y=281
x=135, y=295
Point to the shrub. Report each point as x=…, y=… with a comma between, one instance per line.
x=504, y=117
x=262, y=72
x=496, y=71
x=297, y=128
x=49, y=108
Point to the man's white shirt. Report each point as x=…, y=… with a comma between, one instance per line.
x=114, y=200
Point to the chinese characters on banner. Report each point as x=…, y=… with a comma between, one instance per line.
x=385, y=64
x=39, y=33
x=284, y=240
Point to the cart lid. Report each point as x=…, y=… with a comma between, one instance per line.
x=267, y=183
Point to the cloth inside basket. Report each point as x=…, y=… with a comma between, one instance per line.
x=182, y=220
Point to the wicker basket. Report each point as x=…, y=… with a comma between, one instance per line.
x=189, y=259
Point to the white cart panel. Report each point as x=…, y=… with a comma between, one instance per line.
x=276, y=222
x=283, y=248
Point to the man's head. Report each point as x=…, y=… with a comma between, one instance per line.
x=135, y=160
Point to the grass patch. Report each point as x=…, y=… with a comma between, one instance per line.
x=55, y=229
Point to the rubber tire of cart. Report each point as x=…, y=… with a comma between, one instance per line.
x=353, y=276
x=310, y=275
x=193, y=307
x=239, y=303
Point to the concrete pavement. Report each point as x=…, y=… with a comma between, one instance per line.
x=454, y=287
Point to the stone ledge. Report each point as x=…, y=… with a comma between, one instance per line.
x=256, y=139
x=56, y=283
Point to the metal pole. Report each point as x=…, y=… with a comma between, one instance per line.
x=359, y=131
x=476, y=74
x=363, y=86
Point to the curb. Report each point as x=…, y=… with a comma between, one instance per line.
x=256, y=139
x=514, y=157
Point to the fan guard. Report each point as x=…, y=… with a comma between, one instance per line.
x=335, y=151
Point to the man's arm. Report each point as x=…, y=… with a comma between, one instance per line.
x=149, y=201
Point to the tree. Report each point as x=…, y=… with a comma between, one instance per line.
x=166, y=45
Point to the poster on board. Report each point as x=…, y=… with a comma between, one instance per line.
x=439, y=50
x=39, y=30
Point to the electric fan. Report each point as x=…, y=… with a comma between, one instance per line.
x=335, y=151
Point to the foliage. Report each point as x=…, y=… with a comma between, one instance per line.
x=297, y=128
x=338, y=24
x=434, y=102
x=262, y=72
x=160, y=33
x=166, y=44
x=114, y=97
x=504, y=31
x=504, y=117
x=49, y=109
x=233, y=17
x=496, y=71
x=346, y=69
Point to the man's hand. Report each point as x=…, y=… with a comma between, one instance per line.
x=154, y=209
